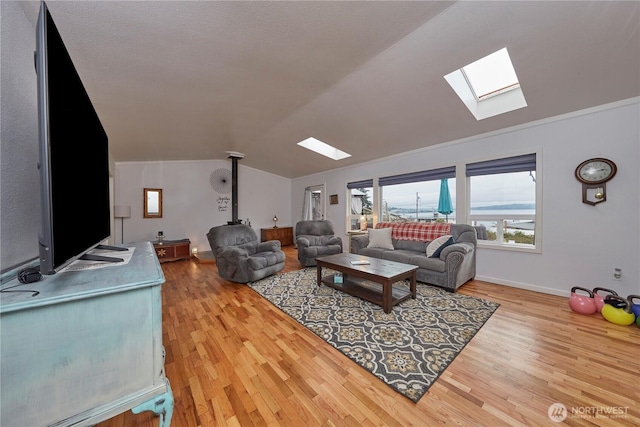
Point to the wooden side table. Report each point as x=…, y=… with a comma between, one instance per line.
x=172, y=250
x=284, y=234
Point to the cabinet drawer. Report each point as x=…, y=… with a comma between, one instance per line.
x=172, y=250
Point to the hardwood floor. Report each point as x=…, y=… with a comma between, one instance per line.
x=233, y=359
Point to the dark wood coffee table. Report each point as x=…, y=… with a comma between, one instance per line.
x=372, y=282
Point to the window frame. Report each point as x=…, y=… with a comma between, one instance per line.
x=499, y=244
x=425, y=175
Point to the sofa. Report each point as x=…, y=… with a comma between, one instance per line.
x=241, y=257
x=454, y=264
x=316, y=238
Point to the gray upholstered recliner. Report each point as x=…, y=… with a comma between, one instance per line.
x=314, y=239
x=241, y=257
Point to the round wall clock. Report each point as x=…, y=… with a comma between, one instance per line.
x=596, y=171
x=594, y=174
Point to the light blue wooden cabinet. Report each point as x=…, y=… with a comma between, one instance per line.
x=86, y=348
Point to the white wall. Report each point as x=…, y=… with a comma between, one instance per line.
x=190, y=205
x=19, y=179
x=581, y=244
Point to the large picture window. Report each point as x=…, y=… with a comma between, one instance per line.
x=502, y=197
x=425, y=196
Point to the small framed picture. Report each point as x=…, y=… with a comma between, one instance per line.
x=333, y=199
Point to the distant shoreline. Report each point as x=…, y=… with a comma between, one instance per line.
x=511, y=206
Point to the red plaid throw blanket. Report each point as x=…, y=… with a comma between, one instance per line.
x=422, y=232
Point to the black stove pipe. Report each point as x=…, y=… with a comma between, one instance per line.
x=234, y=187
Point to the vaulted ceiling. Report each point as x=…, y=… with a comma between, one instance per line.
x=191, y=80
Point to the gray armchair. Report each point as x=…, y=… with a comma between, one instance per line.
x=241, y=257
x=314, y=239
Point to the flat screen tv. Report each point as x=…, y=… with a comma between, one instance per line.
x=74, y=156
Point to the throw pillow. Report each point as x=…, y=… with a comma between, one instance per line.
x=380, y=238
x=436, y=254
x=434, y=245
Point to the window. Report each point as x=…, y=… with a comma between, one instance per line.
x=491, y=75
x=360, y=206
x=502, y=197
x=488, y=86
x=416, y=196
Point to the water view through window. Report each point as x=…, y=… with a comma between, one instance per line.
x=505, y=205
x=416, y=201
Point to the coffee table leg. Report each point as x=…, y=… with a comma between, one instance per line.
x=319, y=273
x=413, y=285
x=386, y=296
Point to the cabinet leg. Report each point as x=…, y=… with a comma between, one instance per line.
x=161, y=405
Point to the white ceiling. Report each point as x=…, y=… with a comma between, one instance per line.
x=191, y=80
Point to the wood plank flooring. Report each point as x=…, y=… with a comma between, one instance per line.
x=233, y=359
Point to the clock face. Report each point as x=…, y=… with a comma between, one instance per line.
x=596, y=171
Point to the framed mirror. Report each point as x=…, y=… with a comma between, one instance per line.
x=152, y=203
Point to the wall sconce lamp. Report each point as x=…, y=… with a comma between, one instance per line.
x=122, y=212
x=275, y=221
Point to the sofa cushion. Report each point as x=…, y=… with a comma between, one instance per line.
x=398, y=256
x=380, y=238
x=435, y=244
x=372, y=252
x=413, y=258
x=409, y=245
x=434, y=264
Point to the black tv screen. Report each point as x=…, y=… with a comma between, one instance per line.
x=74, y=156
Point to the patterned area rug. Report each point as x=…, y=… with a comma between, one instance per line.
x=408, y=348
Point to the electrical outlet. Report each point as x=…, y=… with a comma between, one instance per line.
x=617, y=274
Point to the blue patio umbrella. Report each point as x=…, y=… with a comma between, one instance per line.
x=445, y=207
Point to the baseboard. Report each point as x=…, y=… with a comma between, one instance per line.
x=525, y=286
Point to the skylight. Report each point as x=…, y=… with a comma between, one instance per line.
x=491, y=75
x=488, y=86
x=323, y=148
